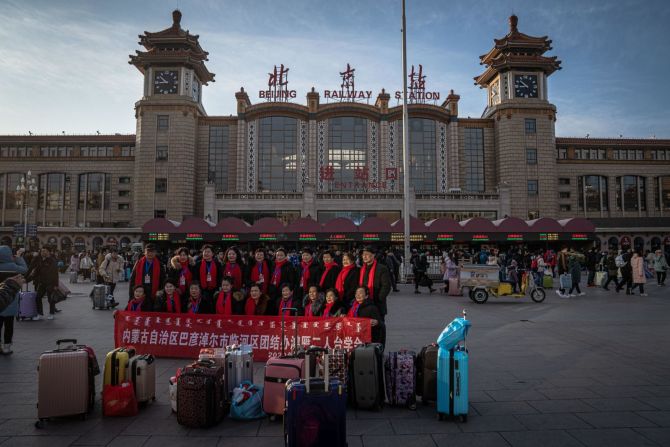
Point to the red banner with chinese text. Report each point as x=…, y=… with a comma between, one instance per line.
x=182, y=335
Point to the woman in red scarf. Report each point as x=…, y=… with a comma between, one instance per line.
x=282, y=273
x=257, y=302
x=149, y=273
x=259, y=271
x=347, y=280
x=329, y=273
x=137, y=304
x=310, y=272
x=234, y=268
x=288, y=300
x=196, y=304
x=224, y=299
x=208, y=273
x=180, y=270
x=333, y=307
x=168, y=299
x=313, y=302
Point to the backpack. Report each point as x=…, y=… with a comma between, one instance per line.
x=619, y=261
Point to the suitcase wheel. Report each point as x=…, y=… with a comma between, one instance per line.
x=40, y=423
x=273, y=417
x=464, y=418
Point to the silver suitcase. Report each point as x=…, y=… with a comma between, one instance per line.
x=143, y=374
x=239, y=366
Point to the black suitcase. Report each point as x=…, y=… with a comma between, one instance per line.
x=426, y=373
x=367, y=389
x=201, y=395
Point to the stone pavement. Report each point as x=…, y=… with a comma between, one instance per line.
x=584, y=371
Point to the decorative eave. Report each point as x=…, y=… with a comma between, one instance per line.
x=630, y=143
x=173, y=45
x=517, y=50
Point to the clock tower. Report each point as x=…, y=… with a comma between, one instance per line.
x=515, y=79
x=167, y=115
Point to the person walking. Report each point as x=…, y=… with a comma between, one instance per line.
x=74, y=266
x=575, y=269
x=637, y=270
x=660, y=267
x=562, y=264
x=43, y=272
x=612, y=270
x=624, y=263
x=111, y=271
x=420, y=270
x=10, y=266
x=591, y=261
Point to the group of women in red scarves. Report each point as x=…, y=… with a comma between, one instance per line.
x=260, y=286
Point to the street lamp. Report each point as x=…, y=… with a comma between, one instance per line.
x=26, y=189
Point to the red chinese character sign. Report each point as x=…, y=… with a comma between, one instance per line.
x=183, y=335
x=278, y=86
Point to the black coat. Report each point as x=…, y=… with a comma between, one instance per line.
x=195, y=272
x=288, y=276
x=350, y=286
x=370, y=310
x=331, y=277
x=315, y=271
x=43, y=272
x=338, y=309
x=148, y=300
x=381, y=287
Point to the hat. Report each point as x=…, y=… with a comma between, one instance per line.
x=370, y=248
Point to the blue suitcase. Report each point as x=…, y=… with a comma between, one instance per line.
x=452, y=383
x=316, y=409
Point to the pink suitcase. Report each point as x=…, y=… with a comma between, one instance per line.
x=455, y=287
x=64, y=382
x=278, y=371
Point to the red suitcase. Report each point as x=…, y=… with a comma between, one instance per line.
x=280, y=370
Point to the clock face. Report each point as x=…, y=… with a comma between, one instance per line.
x=525, y=86
x=166, y=82
x=495, y=92
x=195, y=89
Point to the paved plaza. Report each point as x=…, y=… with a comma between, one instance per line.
x=585, y=371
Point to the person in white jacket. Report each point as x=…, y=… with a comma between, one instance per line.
x=111, y=270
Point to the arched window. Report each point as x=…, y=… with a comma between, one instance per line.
x=94, y=191
x=125, y=242
x=278, y=154
x=51, y=191
x=97, y=242
x=347, y=153
x=631, y=193
x=65, y=243
x=79, y=243
x=613, y=243
x=593, y=191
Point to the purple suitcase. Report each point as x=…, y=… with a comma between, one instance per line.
x=401, y=378
x=27, y=305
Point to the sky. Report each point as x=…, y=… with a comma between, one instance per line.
x=64, y=64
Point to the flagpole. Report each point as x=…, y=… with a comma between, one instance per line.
x=405, y=144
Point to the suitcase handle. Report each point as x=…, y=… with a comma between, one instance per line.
x=72, y=341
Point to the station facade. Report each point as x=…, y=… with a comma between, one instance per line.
x=337, y=155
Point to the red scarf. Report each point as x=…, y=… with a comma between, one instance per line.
x=276, y=274
x=155, y=274
x=135, y=305
x=328, y=266
x=185, y=273
x=233, y=270
x=304, y=278
x=224, y=303
x=339, y=283
x=326, y=310
x=256, y=273
x=211, y=284
x=250, y=306
x=353, y=312
x=371, y=276
x=173, y=303
x=308, y=310
x=194, y=306
x=285, y=303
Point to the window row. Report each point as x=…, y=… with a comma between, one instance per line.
x=64, y=151
x=617, y=154
x=630, y=192
x=54, y=191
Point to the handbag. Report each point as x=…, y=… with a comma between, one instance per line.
x=119, y=400
x=566, y=281
x=57, y=296
x=247, y=402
